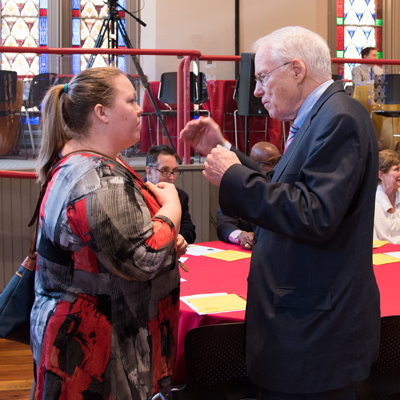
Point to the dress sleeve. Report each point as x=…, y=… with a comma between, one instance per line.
x=109, y=215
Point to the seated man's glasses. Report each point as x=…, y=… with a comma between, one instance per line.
x=167, y=174
x=268, y=164
x=263, y=78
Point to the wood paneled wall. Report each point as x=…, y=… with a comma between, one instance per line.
x=18, y=199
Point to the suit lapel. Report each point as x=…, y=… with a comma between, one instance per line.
x=280, y=168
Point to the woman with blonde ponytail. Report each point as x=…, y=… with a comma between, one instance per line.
x=104, y=321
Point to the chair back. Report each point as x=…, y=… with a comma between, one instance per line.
x=385, y=372
x=39, y=86
x=168, y=88
x=215, y=364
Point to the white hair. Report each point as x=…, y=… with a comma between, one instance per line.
x=297, y=42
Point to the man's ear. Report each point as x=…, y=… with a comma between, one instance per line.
x=101, y=113
x=148, y=171
x=299, y=69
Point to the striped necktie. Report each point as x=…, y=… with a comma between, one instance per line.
x=293, y=130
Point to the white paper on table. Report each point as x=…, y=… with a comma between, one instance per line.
x=395, y=254
x=194, y=250
x=196, y=296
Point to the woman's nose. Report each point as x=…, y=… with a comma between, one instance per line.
x=139, y=109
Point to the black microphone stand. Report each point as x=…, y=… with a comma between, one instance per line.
x=113, y=24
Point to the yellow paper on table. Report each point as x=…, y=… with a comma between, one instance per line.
x=379, y=243
x=215, y=304
x=229, y=255
x=379, y=259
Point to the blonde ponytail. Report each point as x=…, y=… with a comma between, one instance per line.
x=66, y=112
x=54, y=135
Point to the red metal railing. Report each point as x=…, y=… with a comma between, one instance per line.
x=183, y=89
x=17, y=174
x=186, y=54
x=380, y=61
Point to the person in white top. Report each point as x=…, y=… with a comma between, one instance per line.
x=387, y=204
x=363, y=74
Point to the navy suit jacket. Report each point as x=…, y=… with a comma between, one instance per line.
x=313, y=311
x=188, y=229
x=226, y=225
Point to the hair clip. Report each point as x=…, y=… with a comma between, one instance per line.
x=66, y=88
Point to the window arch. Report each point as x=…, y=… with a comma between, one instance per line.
x=359, y=25
x=24, y=23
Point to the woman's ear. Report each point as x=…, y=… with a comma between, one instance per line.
x=101, y=113
x=380, y=175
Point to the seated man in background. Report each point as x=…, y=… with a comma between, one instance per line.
x=266, y=155
x=234, y=230
x=162, y=166
x=363, y=74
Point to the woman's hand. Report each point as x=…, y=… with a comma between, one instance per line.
x=181, y=245
x=167, y=196
x=165, y=193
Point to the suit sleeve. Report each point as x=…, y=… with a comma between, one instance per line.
x=250, y=163
x=319, y=183
x=188, y=229
x=225, y=226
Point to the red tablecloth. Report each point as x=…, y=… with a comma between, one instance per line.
x=221, y=106
x=208, y=275
x=388, y=279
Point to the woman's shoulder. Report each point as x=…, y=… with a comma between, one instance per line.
x=82, y=173
x=80, y=164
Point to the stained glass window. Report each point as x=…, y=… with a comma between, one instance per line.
x=24, y=23
x=359, y=25
x=87, y=19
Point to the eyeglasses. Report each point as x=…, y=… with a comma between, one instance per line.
x=167, y=174
x=262, y=79
x=269, y=164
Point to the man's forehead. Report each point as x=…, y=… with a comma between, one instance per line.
x=261, y=60
x=167, y=161
x=266, y=154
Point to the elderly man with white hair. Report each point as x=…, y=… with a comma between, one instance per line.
x=313, y=310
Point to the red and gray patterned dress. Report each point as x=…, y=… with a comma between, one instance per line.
x=104, y=324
